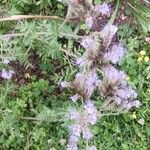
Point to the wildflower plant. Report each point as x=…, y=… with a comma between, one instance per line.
x=101, y=55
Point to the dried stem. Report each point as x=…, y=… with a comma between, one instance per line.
x=24, y=17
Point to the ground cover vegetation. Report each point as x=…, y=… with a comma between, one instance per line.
x=74, y=75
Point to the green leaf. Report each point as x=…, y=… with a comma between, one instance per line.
x=143, y=22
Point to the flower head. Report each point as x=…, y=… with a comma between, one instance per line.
x=112, y=75
x=75, y=130
x=91, y=112
x=87, y=43
x=7, y=74
x=80, y=61
x=89, y=22
x=107, y=34
x=91, y=79
x=126, y=93
x=72, y=144
x=115, y=54
x=74, y=115
x=86, y=83
x=104, y=8
x=86, y=133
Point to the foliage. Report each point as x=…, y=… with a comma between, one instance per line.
x=31, y=104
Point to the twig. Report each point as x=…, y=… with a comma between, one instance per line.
x=41, y=33
x=29, y=118
x=131, y=6
x=23, y=17
x=19, y=34
x=40, y=120
x=112, y=19
x=73, y=35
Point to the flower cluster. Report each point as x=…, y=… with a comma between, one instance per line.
x=85, y=11
x=102, y=52
x=114, y=87
x=82, y=123
x=6, y=74
x=114, y=54
x=85, y=84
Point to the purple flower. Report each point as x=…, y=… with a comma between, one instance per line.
x=89, y=107
x=91, y=79
x=74, y=115
x=89, y=22
x=129, y=105
x=87, y=43
x=72, y=146
x=87, y=134
x=104, y=9
x=7, y=74
x=107, y=34
x=91, y=112
x=98, y=82
x=75, y=130
x=115, y=54
x=73, y=138
x=80, y=61
x=126, y=93
x=118, y=100
x=80, y=76
x=90, y=83
x=109, y=31
x=74, y=98
x=112, y=75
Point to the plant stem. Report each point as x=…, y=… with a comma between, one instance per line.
x=112, y=19
x=87, y=144
x=23, y=17
x=29, y=118
x=19, y=34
